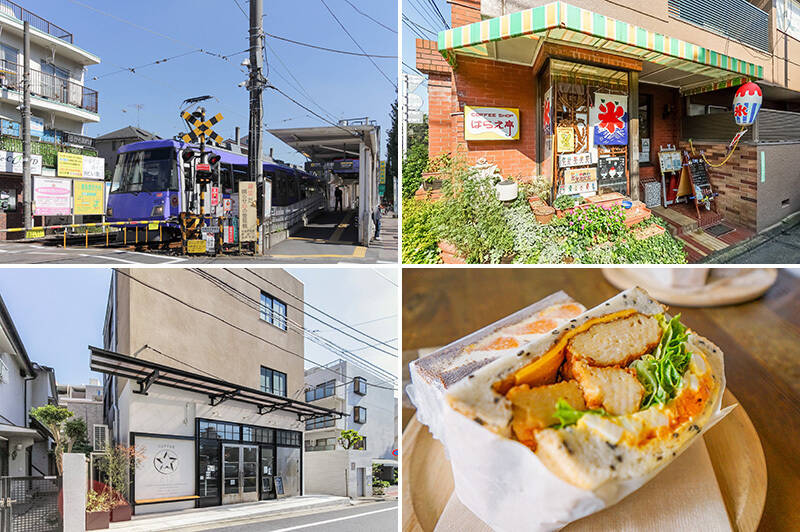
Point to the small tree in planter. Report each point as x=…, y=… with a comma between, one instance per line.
x=98, y=510
x=53, y=417
x=116, y=462
x=349, y=439
x=77, y=438
x=378, y=484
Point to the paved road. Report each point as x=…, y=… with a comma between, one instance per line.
x=779, y=245
x=329, y=239
x=372, y=517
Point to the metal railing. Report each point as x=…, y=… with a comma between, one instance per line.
x=48, y=86
x=737, y=19
x=284, y=218
x=18, y=12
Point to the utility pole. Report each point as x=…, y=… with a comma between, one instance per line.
x=256, y=85
x=27, y=187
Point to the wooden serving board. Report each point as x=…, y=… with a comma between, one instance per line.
x=718, y=292
x=720, y=483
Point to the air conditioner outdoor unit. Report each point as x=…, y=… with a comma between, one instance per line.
x=100, y=437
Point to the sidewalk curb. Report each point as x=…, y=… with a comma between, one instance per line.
x=223, y=520
x=728, y=255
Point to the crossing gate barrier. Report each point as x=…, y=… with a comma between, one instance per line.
x=30, y=504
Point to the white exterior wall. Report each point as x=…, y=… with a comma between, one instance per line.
x=336, y=472
x=171, y=412
x=11, y=392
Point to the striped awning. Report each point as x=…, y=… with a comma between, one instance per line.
x=559, y=21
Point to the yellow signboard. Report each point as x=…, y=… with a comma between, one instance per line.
x=152, y=226
x=34, y=233
x=70, y=164
x=196, y=246
x=566, y=139
x=87, y=197
x=491, y=123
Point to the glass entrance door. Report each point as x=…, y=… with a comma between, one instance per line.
x=240, y=473
x=267, y=473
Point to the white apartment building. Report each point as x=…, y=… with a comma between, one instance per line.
x=371, y=406
x=86, y=402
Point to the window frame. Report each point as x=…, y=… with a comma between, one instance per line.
x=357, y=382
x=358, y=412
x=324, y=387
x=267, y=308
x=647, y=100
x=271, y=380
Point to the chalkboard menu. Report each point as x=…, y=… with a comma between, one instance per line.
x=611, y=173
x=697, y=169
x=279, y=485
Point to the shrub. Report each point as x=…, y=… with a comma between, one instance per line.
x=419, y=232
x=564, y=202
x=413, y=166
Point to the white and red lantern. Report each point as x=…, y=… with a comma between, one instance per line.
x=746, y=104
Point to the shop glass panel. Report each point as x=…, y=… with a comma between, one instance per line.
x=231, y=478
x=250, y=468
x=208, y=469
x=289, y=469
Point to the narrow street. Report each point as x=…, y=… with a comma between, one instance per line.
x=365, y=517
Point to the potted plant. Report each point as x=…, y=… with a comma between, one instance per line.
x=543, y=213
x=98, y=510
x=565, y=202
x=539, y=191
x=116, y=462
x=435, y=170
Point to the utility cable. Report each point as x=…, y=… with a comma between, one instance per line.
x=330, y=49
x=369, y=17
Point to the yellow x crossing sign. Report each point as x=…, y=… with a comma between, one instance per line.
x=200, y=129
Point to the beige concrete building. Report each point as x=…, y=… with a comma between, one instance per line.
x=203, y=374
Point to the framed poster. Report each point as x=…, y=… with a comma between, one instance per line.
x=70, y=164
x=670, y=160
x=580, y=175
x=167, y=467
x=94, y=167
x=491, y=123
x=52, y=196
x=565, y=139
x=88, y=197
x=611, y=173
x=608, y=117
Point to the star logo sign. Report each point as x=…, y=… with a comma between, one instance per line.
x=166, y=462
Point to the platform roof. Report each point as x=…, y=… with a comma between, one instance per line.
x=326, y=143
x=146, y=373
x=667, y=60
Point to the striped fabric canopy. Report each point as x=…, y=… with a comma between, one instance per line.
x=559, y=21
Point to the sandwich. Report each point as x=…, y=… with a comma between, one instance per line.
x=612, y=395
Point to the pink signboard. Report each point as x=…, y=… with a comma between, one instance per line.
x=52, y=196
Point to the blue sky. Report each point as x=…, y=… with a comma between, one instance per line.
x=417, y=11
x=345, y=86
x=58, y=312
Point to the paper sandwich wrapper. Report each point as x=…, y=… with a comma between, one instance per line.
x=501, y=480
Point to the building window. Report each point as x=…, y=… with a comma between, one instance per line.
x=273, y=381
x=289, y=438
x=320, y=422
x=360, y=385
x=321, y=391
x=360, y=414
x=322, y=444
x=217, y=430
x=273, y=311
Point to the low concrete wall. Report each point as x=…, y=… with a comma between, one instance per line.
x=75, y=486
x=336, y=472
x=778, y=179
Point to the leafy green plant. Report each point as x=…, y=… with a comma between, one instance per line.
x=419, y=232
x=597, y=222
x=53, y=417
x=116, y=462
x=77, y=437
x=98, y=501
x=440, y=163
x=661, y=372
x=413, y=166
x=564, y=201
x=541, y=186
x=349, y=439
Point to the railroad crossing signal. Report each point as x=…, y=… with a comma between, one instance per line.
x=201, y=130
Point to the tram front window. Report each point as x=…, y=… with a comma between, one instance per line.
x=146, y=171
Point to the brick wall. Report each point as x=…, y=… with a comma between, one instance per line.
x=463, y=12
x=12, y=219
x=735, y=182
x=663, y=130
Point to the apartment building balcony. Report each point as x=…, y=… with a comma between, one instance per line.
x=737, y=19
x=49, y=92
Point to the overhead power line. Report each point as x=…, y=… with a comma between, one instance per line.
x=369, y=17
x=340, y=322
x=273, y=87
x=344, y=28
x=330, y=49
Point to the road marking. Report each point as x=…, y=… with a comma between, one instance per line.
x=124, y=261
x=358, y=253
x=318, y=523
x=341, y=227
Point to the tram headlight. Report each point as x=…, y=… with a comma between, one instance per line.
x=158, y=210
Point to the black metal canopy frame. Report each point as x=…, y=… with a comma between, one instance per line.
x=146, y=373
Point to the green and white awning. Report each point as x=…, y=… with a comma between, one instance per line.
x=514, y=37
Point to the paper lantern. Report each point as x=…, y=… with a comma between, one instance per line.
x=746, y=104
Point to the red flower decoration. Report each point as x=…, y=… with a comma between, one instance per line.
x=610, y=115
x=740, y=110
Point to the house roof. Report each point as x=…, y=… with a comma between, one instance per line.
x=129, y=132
x=13, y=337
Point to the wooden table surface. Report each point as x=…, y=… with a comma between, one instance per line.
x=760, y=339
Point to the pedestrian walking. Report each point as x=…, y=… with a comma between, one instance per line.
x=338, y=195
x=376, y=217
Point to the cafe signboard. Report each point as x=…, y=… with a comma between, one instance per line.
x=491, y=123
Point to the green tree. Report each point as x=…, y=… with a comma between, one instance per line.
x=350, y=438
x=116, y=462
x=53, y=417
x=77, y=436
